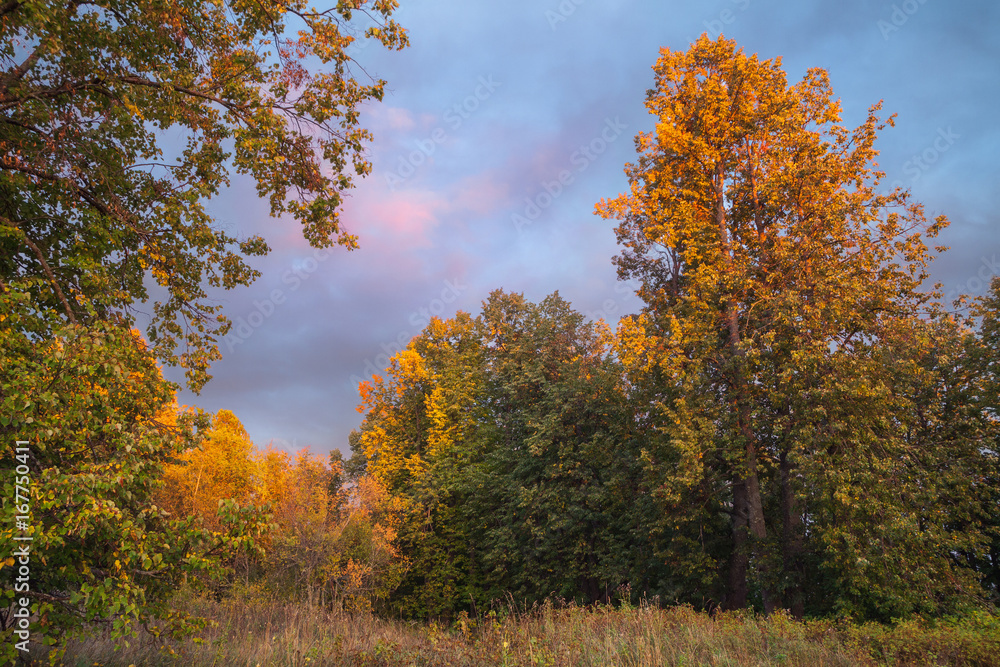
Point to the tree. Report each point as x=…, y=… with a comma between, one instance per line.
x=983, y=364
x=119, y=119
x=783, y=311
x=306, y=517
x=97, y=419
x=507, y=441
x=419, y=442
x=562, y=514
x=221, y=467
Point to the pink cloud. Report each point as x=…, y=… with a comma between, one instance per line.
x=396, y=118
x=405, y=217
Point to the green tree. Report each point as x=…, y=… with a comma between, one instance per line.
x=508, y=440
x=983, y=363
x=420, y=441
x=118, y=120
x=561, y=512
x=783, y=317
x=97, y=419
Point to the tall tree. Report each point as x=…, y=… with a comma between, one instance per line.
x=777, y=283
x=119, y=119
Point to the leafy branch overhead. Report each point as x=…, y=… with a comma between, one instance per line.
x=120, y=119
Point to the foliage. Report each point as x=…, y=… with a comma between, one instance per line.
x=508, y=442
x=561, y=476
x=221, y=467
x=534, y=455
x=94, y=201
x=418, y=442
x=96, y=416
x=984, y=363
x=794, y=366
x=973, y=639
x=118, y=121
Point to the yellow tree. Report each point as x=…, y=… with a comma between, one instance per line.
x=328, y=546
x=420, y=437
x=223, y=467
x=774, y=276
x=367, y=566
x=272, y=470
x=306, y=522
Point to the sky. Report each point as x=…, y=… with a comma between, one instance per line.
x=505, y=122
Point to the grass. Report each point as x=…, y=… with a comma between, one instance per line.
x=298, y=636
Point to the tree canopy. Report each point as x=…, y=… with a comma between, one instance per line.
x=792, y=421
x=119, y=119
x=795, y=349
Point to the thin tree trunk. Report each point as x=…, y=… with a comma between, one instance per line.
x=748, y=478
x=791, y=540
x=739, y=561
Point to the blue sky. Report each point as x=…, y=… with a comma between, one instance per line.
x=502, y=126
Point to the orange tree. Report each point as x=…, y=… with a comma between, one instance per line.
x=785, y=346
x=222, y=467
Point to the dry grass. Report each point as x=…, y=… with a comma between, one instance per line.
x=295, y=635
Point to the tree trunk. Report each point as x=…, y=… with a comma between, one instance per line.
x=791, y=541
x=739, y=561
x=758, y=529
x=748, y=476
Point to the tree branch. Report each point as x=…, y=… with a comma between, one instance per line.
x=15, y=75
x=51, y=276
x=139, y=81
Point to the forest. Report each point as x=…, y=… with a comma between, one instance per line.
x=790, y=452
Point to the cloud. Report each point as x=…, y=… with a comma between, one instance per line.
x=481, y=194
x=448, y=218
x=393, y=118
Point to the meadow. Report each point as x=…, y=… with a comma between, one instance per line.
x=295, y=635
